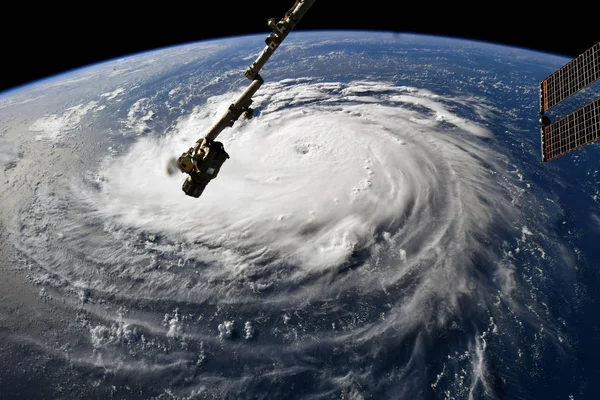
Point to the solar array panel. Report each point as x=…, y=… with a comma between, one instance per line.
x=574, y=130
x=581, y=126
x=578, y=73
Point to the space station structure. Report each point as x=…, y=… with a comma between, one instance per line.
x=203, y=161
x=581, y=126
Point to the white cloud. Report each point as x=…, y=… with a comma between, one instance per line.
x=336, y=167
x=114, y=94
x=54, y=127
x=139, y=116
x=9, y=154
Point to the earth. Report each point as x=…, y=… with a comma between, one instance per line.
x=384, y=228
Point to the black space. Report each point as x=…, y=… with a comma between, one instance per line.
x=40, y=41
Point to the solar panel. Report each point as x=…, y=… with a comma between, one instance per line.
x=581, y=126
x=571, y=78
x=572, y=131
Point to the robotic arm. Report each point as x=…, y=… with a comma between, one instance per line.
x=203, y=161
x=280, y=32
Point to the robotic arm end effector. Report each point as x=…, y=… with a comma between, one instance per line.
x=202, y=163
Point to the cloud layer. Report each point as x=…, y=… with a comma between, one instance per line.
x=355, y=216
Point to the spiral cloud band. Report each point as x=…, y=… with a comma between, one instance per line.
x=348, y=214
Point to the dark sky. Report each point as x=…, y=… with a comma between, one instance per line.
x=40, y=41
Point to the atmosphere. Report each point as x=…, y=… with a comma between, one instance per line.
x=64, y=38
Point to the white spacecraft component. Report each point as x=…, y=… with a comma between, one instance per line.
x=203, y=161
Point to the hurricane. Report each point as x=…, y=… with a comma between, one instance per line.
x=359, y=243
